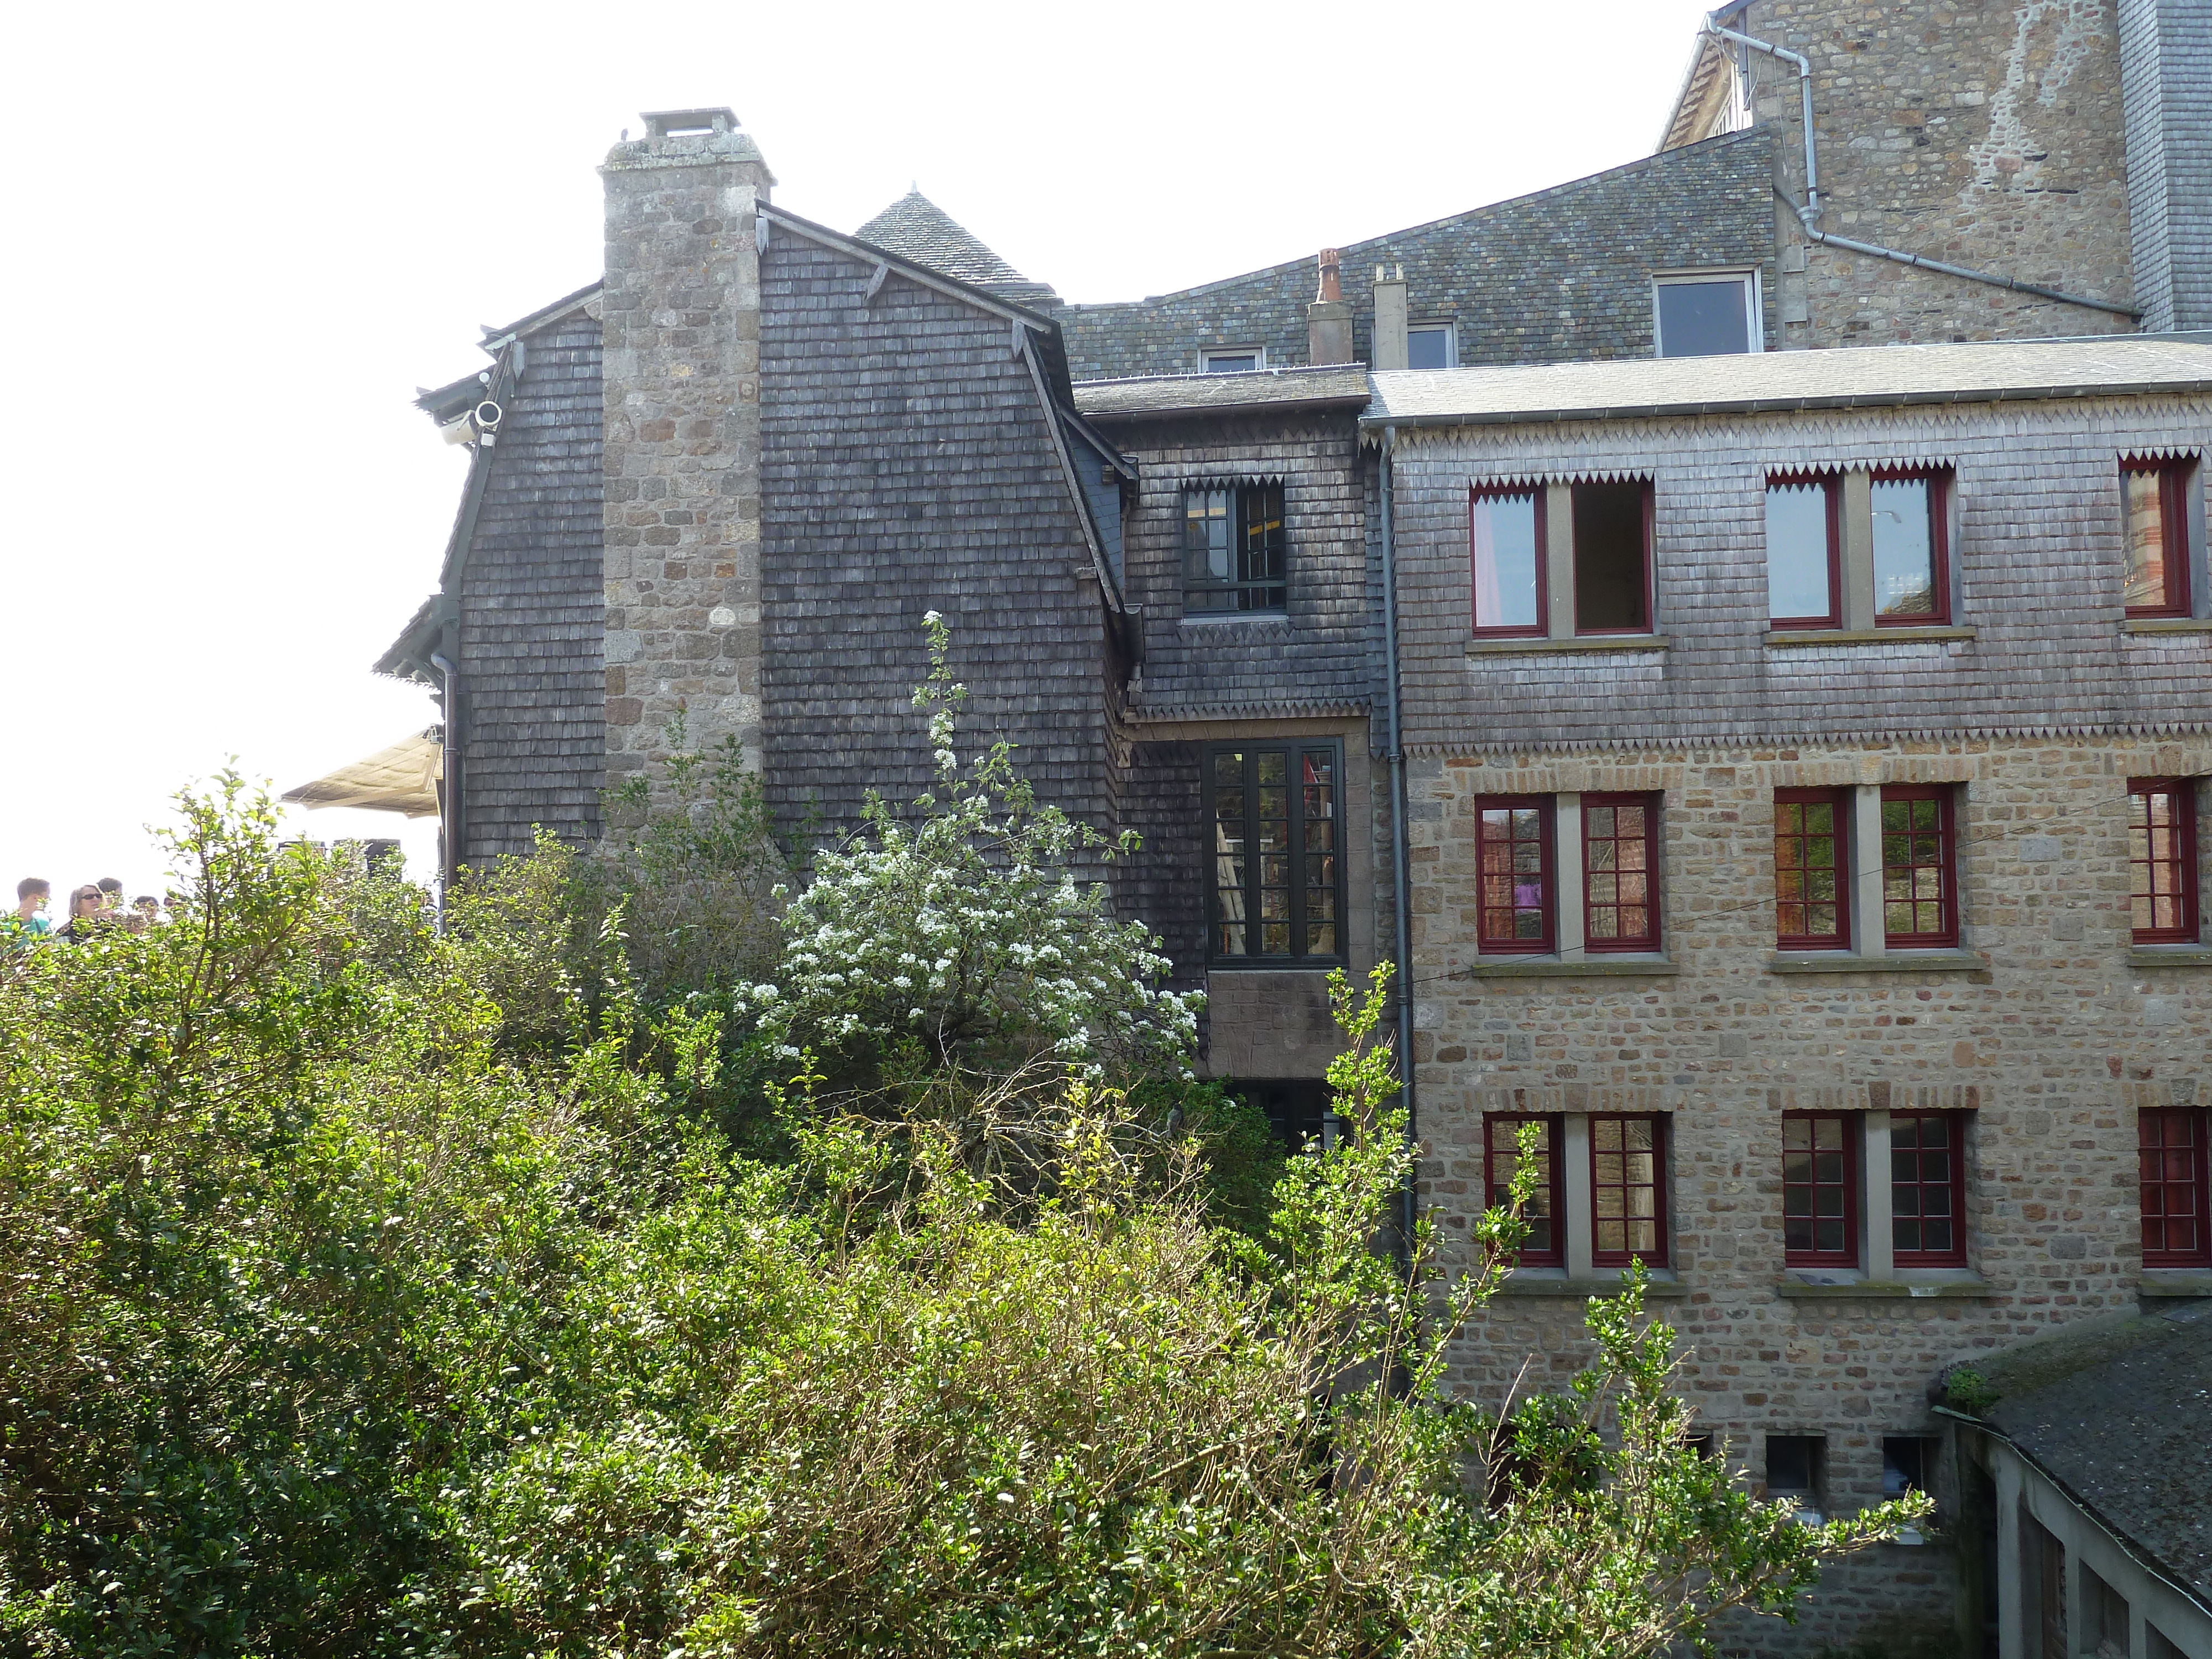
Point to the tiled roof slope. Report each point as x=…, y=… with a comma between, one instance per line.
x=915, y=227
x=1561, y=274
x=1278, y=391
x=2128, y=1436
x=1845, y=378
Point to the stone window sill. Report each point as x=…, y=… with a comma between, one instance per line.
x=1624, y=966
x=1867, y=635
x=1518, y=646
x=1898, y=962
x=1846, y=1284
x=2166, y=625
x=2175, y=1281
x=1553, y=1281
x=2170, y=956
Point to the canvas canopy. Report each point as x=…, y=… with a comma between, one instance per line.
x=402, y=778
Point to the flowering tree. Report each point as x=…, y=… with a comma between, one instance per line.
x=965, y=936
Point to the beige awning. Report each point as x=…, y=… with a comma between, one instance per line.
x=401, y=779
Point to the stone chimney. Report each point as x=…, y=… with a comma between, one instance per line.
x=680, y=321
x=1390, y=317
x=1329, y=319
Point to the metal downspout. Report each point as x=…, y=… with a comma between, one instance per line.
x=454, y=745
x=1809, y=212
x=1402, y=880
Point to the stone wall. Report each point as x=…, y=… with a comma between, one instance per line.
x=681, y=319
x=2050, y=1050
x=1985, y=135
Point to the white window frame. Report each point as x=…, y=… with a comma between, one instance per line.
x=1258, y=354
x=1754, y=307
x=1449, y=330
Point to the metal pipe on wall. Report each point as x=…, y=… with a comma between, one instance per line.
x=1402, y=882
x=451, y=817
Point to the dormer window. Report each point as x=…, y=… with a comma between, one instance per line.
x=1705, y=313
x=1233, y=360
x=1431, y=345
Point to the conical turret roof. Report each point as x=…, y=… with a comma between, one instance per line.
x=915, y=227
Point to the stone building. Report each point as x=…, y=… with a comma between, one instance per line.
x=1527, y=535
x=1803, y=809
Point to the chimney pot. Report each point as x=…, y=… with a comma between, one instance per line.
x=1332, y=284
x=688, y=122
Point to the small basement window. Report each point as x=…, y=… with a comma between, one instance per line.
x=1613, y=564
x=1794, y=1471
x=1706, y=314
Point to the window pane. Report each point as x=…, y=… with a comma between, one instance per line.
x=1625, y=1189
x=1903, y=549
x=1923, y=1186
x=1609, y=553
x=1808, y=898
x=1618, y=907
x=1318, y=790
x=1505, y=563
x=1702, y=319
x=1428, y=348
x=2161, y=861
x=1816, y=1203
x=1231, y=362
x=1510, y=861
x=2146, y=539
x=1916, y=869
x=1260, y=554
x=1502, y=1156
x=1797, y=567
x=2176, y=1206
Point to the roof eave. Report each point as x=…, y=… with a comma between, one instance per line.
x=1189, y=412
x=1788, y=406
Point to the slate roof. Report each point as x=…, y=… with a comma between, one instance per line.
x=2129, y=1432
x=915, y=227
x=1845, y=378
x=1278, y=390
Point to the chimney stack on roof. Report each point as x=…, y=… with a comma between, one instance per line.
x=1329, y=319
x=1390, y=342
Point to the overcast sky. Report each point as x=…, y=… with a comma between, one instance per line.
x=244, y=235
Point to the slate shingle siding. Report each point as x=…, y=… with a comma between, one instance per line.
x=533, y=610
x=907, y=466
x=2166, y=76
x=1562, y=274
x=1163, y=885
x=2037, y=547
x=1320, y=653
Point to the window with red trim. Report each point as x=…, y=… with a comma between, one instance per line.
x=1513, y=862
x=1927, y=1188
x=1613, y=557
x=1505, y=538
x=1912, y=550
x=1919, y=860
x=2177, y=1187
x=1804, y=550
x=1820, y=1190
x=2156, y=496
x=2162, y=860
x=1621, y=873
x=1812, y=895
x=1501, y=1155
x=1628, y=1191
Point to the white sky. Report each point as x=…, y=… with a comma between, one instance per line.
x=243, y=234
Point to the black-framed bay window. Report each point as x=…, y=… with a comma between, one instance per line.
x=1275, y=811
x=1234, y=557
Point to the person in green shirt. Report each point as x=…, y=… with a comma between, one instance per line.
x=28, y=925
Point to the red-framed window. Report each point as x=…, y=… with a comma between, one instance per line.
x=1911, y=548
x=1514, y=864
x=1804, y=550
x=1628, y=1191
x=1613, y=556
x=2162, y=860
x=2155, y=494
x=1505, y=544
x=1919, y=867
x=1501, y=1159
x=2177, y=1187
x=1811, y=888
x=1927, y=1188
x=1621, y=873
x=1820, y=1189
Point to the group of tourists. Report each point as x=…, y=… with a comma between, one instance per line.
x=92, y=908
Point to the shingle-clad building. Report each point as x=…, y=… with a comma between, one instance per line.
x=1778, y=769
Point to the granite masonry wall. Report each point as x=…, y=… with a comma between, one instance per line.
x=531, y=608
x=1990, y=136
x=2049, y=1049
x=681, y=315
x=1562, y=274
